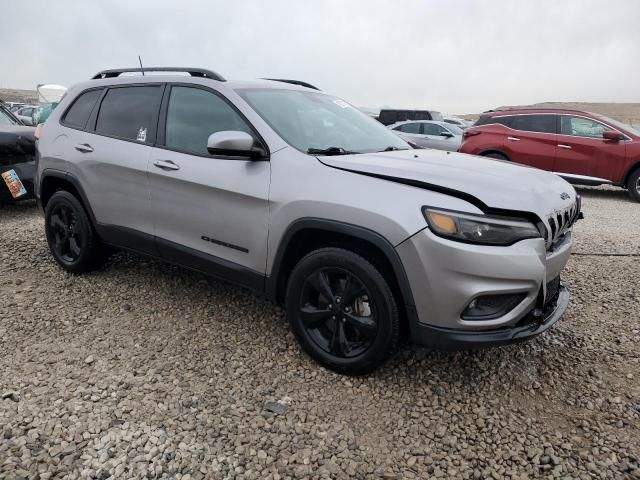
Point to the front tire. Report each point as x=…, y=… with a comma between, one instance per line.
x=497, y=156
x=633, y=185
x=70, y=235
x=342, y=311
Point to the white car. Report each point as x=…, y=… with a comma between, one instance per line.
x=430, y=134
x=458, y=122
x=25, y=114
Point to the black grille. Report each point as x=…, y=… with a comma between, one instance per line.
x=553, y=290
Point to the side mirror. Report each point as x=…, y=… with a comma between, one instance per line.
x=446, y=134
x=231, y=143
x=612, y=136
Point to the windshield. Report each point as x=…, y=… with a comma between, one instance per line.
x=313, y=121
x=621, y=125
x=437, y=116
x=5, y=118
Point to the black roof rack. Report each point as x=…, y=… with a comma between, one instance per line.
x=293, y=82
x=194, y=72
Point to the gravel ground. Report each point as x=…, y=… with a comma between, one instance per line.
x=143, y=370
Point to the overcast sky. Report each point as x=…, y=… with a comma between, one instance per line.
x=456, y=56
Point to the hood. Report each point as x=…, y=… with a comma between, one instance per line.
x=17, y=144
x=487, y=183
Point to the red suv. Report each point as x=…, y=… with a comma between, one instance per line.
x=584, y=148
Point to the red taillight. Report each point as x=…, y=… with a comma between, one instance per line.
x=471, y=133
x=38, y=131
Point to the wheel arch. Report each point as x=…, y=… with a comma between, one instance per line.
x=630, y=171
x=53, y=180
x=487, y=151
x=308, y=234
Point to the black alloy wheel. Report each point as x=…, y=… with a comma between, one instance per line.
x=633, y=185
x=342, y=311
x=336, y=310
x=70, y=235
x=67, y=239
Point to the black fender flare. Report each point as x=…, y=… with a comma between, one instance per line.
x=53, y=173
x=361, y=233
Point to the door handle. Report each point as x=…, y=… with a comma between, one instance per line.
x=567, y=147
x=513, y=139
x=84, y=148
x=166, y=165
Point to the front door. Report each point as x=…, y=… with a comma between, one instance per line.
x=434, y=137
x=209, y=213
x=583, y=151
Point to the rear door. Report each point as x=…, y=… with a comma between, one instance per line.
x=532, y=140
x=583, y=151
x=210, y=213
x=112, y=157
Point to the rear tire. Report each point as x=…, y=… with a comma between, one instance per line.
x=497, y=156
x=72, y=240
x=342, y=311
x=633, y=185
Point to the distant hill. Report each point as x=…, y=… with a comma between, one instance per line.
x=14, y=95
x=625, y=112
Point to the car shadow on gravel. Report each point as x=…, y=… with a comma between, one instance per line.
x=21, y=207
x=608, y=193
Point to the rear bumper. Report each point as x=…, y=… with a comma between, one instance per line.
x=527, y=328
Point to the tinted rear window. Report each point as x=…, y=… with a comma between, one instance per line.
x=81, y=109
x=535, y=123
x=130, y=113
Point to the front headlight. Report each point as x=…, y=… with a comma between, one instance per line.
x=481, y=229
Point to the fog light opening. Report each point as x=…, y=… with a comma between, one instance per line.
x=489, y=307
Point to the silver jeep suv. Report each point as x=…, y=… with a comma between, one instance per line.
x=297, y=195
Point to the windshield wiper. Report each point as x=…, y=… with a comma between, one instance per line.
x=330, y=151
x=391, y=149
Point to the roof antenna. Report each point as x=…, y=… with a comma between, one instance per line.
x=141, y=67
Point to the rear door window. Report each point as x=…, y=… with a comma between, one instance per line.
x=81, y=109
x=130, y=113
x=535, y=123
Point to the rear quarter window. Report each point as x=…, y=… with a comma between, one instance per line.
x=80, y=111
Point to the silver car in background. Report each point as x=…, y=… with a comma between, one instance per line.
x=430, y=134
